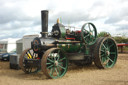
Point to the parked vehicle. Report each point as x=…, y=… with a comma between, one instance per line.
x=6, y=56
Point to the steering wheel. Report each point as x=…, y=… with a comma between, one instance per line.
x=89, y=33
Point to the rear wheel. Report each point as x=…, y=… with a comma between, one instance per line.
x=105, y=53
x=54, y=63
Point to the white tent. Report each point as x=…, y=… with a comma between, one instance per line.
x=10, y=43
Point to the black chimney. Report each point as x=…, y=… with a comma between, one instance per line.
x=44, y=22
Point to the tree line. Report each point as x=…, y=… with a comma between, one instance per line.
x=119, y=39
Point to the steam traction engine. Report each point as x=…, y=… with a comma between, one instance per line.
x=52, y=52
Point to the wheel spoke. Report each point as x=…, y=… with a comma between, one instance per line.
x=29, y=70
x=86, y=36
x=93, y=31
x=50, y=60
x=62, y=59
x=111, y=46
x=110, y=59
x=102, y=55
x=27, y=55
x=48, y=63
x=60, y=63
x=54, y=58
x=87, y=40
x=107, y=41
x=103, y=59
x=30, y=53
x=89, y=28
x=104, y=47
x=102, y=51
x=106, y=61
x=61, y=67
x=87, y=31
x=50, y=66
x=92, y=38
x=33, y=55
x=51, y=71
x=107, y=65
x=56, y=72
x=112, y=52
x=58, y=57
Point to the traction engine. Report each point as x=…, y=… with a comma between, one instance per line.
x=52, y=52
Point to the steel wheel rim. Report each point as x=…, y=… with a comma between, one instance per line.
x=56, y=64
x=28, y=55
x=108, y=53
x=91, y=33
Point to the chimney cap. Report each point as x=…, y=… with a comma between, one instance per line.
x=44, y=10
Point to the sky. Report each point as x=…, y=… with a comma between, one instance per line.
x=23, y=17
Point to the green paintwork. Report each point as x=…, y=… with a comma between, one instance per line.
x=108, y=53
x=89, y=35
x=87, y=50
x=70, y=48
x=84, y=49
x=57, y=64
x=63, y=31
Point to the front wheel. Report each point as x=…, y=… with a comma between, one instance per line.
x=105, y=53
x=54, y=63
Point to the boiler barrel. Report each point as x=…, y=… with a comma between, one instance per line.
x=44, y=22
